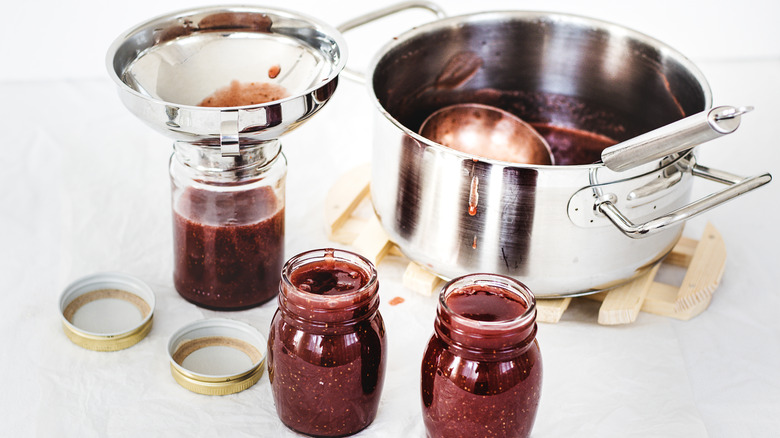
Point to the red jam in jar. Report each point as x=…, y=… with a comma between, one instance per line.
x=228, y=224
x=327, y=347
x=228, y=247
x=482, y=369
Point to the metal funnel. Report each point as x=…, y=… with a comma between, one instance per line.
x=166, y=66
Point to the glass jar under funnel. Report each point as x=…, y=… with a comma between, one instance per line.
x=225, y=83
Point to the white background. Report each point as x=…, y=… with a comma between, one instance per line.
x=50, y=39
x=85, y=189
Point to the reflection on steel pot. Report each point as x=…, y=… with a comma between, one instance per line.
x=584, y=85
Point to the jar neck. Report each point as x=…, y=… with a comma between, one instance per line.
x=481, y=338
x=328, y=313
x=208, y=161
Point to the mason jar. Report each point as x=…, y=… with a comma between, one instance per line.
x=482, y=368
x=228, y=224
x=327, y=347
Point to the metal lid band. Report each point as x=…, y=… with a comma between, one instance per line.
x=106, y=286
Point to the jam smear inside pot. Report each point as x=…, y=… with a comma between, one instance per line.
x=571, y=146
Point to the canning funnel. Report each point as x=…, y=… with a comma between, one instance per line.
x=167, y=66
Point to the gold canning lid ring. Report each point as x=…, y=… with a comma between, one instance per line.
x=217, y=332
x=106, y=286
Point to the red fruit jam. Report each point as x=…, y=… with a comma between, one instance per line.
x=240, y=94
x=573, y=146
x=482, y=369
x=323, y=278
x=327, y=347
x=228, y=247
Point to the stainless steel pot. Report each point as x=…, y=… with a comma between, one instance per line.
x=563, y=230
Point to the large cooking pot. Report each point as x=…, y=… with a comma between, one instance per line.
x=564, y=230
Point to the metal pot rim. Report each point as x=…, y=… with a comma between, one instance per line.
x=509, y=15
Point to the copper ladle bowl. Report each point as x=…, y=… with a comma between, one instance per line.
x=487, y=132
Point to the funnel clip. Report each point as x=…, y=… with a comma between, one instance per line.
x=228, y=133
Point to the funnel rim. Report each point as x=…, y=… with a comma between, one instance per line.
x=326, y=29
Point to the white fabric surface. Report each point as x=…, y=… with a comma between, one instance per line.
x=85, y=189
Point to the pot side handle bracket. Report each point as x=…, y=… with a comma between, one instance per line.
x=737, y=186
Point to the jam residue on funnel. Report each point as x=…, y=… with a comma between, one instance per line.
x=240, y=94
x=274, y=71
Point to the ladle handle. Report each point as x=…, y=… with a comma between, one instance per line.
x=674, y=137
x=379, y=14
x=737, y=186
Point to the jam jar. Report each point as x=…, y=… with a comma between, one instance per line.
x=326, y=346
x=482, y=369
x=228, y=224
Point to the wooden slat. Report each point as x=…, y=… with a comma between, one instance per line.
x=551, y=310
x=704, y=271
x=342, y=199
x=394, y=251
x=661, y=299
x=622, y=304
x=348, y=232
x=372, y=242
x=420, y=280
x=683, y=251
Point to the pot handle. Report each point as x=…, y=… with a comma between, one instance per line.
x=674, y=137
x=737, y=187
x=379, y=14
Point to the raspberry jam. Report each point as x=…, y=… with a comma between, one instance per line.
x=326, y=346
x=228, y=224
x=323, y=278
x=482, y=369
x=228, y=247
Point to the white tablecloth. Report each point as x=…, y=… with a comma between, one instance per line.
x=85, y=189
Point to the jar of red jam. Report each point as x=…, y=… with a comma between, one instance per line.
x=228, y=224
x=326, y=347
x=482, y=369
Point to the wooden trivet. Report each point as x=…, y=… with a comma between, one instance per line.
x=351, y=221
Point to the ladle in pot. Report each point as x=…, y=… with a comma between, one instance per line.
x=490, y=132
x=487, y=132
